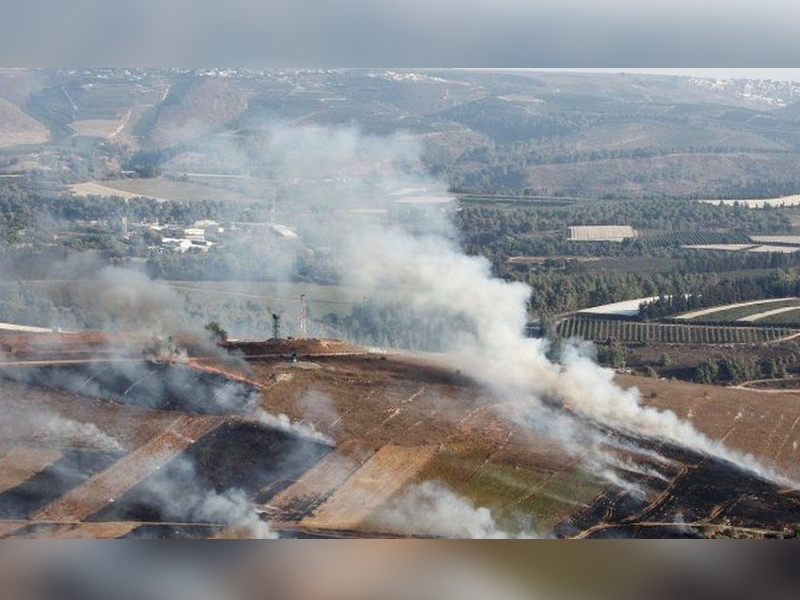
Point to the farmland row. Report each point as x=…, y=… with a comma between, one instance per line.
x=601, y=330
x=700, y=238
x=789, y=318
x=727, y=315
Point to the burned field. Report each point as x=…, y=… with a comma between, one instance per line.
x=258, y=461
x=151, y=448
x=148, y=384
x=690, y=496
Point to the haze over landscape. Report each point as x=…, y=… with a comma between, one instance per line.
x=347, y=303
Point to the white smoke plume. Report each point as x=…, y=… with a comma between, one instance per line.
x=283, y=423
x=431, y=508
x=417, y=261
x=184, y=497
x=60, y=429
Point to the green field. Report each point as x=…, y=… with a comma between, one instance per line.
x=791, y=318
x=734, y=314
x=601, y=330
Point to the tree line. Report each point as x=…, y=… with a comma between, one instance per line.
x=780, y=284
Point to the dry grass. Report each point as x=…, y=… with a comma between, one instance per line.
x=17, y=127
x=158, y=189
x=601, y=233
x=104, y=128
x=92, y=531
x=314, y=486
x=383, y=476
x=112, y=483
x=765, y=424
x=20, y=464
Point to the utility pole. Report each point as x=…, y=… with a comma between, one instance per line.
x=302, y=325
x=276, y=326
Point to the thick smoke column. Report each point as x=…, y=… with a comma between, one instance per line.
x=413, y=256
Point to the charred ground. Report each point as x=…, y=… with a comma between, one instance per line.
x=394, y=420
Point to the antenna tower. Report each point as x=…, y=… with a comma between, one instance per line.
x=276, y=326
x=302, y=325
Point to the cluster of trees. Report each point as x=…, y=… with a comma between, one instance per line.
x=23, y=206
x=779, y=284
x=672, y=215
x=541, y=231
x=396, y=325
x=613, y=355
x=739, y=369
x=505, y=121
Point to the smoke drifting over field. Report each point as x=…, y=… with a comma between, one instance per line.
x=413, y=256
x=347, y=196
x=432, y=509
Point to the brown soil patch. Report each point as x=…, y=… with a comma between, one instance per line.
x=764, y=424
x=95, y=531
x=8, y=528
x=20, y=464
x=98, y=491
x=383, y=476
x=302, y=498
x=17, y=127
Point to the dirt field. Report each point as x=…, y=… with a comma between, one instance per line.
x=374, y=484
x=104, y=128
x=17, y=127
x=396, y=420
x=601, y=233
x=301, y=499
x=158, y=189
x=20, y=464
x=113, y=483
x=764, y=424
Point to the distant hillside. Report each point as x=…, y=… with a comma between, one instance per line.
x=483, y=131
x=194, y=109
x=16, y=127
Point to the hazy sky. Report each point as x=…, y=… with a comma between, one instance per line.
x=369, y=33
x=749, y=73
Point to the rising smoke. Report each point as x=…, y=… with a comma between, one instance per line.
x=350, y=194
x=431, y=508
x=412, y=255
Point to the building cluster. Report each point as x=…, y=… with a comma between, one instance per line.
x=200, y=237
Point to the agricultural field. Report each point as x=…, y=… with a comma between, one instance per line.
x=775, y=249
x=601, y=233
x=111, y=465
x=745, y=248
x=627, y=308
x=602, y=330
x=721, y=247
x=109, y=129
x=696, y=238
x=18, y=128
x=158, y=189
x=789, y=317
x=785, y=201
x=743, y=311
x=778, y=240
